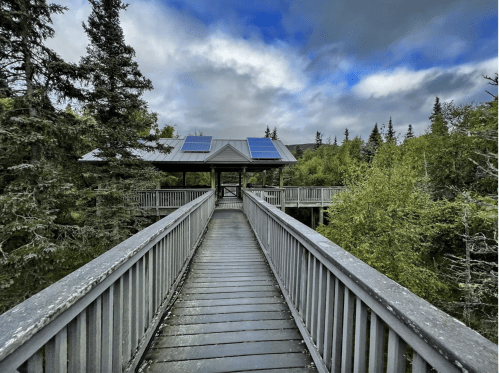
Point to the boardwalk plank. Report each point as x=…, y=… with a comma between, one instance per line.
x=233, y=364
x=225, y=317
x=233, y=349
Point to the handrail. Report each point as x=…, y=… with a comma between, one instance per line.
x=101, y=317
x=345, y=308
x=167, y=198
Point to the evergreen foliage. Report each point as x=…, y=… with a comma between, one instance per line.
x=373, y=143
x=268, y=133
x=318, y=140
x=273, y=135
x=346, y=133
x=390, y=135
x=298, y=152
x=438, y=123
x=410, y=133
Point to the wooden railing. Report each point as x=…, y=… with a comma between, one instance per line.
x=298, y=196
x=167, y=198
x=310, y=196
x=101, y=317
x=352, y=317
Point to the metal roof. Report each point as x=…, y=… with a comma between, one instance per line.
x=223, y=148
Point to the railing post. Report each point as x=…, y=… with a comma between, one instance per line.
x=157, y=202
x=283, y=200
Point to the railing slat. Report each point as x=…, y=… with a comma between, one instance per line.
x=117, y=350
x=77, y=335
x=34, y=363
x=56, y=353
x=396, y=353
x=359, y=363
x=339, y=293
x=419, y=365
x=127, y=315
x=94, y=336
x=107, y=330
x=347, y=343
x=329, y=316
x=376, y=345
x=321, y=308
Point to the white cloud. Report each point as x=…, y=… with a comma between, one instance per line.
x=388, y=83
x=268, y=66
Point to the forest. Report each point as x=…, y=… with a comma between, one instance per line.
x=420, y=209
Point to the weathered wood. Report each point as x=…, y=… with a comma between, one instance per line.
x=218, y=322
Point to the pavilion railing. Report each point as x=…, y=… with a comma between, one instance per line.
x=298, y=196
x=306, y=196
x=354, y=318
x=101, y=317
x=167, y=198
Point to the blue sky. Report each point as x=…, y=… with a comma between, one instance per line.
x=232, y=68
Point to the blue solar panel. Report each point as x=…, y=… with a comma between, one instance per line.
x=262, y=148
x=197, y=144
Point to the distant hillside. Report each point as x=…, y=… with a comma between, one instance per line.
x=303, y=147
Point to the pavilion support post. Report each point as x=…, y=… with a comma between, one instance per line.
x=321, y=216
x=244, y=178
x=281, y=178
x=312, y=222
x=212, y=178
x=264, y=178
x=219, y=187
x=239, y=194
x=184, y=179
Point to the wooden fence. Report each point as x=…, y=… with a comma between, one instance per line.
x=101, y=317
x=352, y=317
x=167, y=198
x=297, y=196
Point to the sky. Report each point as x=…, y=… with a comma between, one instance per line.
x=229, y=69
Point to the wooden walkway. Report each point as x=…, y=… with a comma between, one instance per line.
x=230, y=315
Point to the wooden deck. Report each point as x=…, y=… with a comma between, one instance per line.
x=230, y=315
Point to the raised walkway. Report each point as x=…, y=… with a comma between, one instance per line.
x=230, y=315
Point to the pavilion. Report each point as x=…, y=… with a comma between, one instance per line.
x=204, y=154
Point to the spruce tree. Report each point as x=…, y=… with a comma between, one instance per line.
x=410, y=133
x=39, y=146
x=390, y=135
x=273, y=136
x=346, y=133
x=335, y=143
x=373, y=143
x=438, y=124
x=318, y=140
x=113, y=96
x=268, y=133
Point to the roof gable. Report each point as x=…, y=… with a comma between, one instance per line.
x=228, y=154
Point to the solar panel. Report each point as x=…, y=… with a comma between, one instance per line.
x=197, y=144
x=263, y=148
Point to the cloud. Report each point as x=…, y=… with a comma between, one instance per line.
x=403, y=80
x=217, y=78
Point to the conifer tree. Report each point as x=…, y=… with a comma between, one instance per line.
x=273, y=135
x=346, y=133
x=438, y=124
x=373, y=143
x=410, y=133
x=390, y=135
x=39, y=144
x=318, y=140
x=268, y=133
x=335, y=142
x=113, y=96
x=115, y=86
